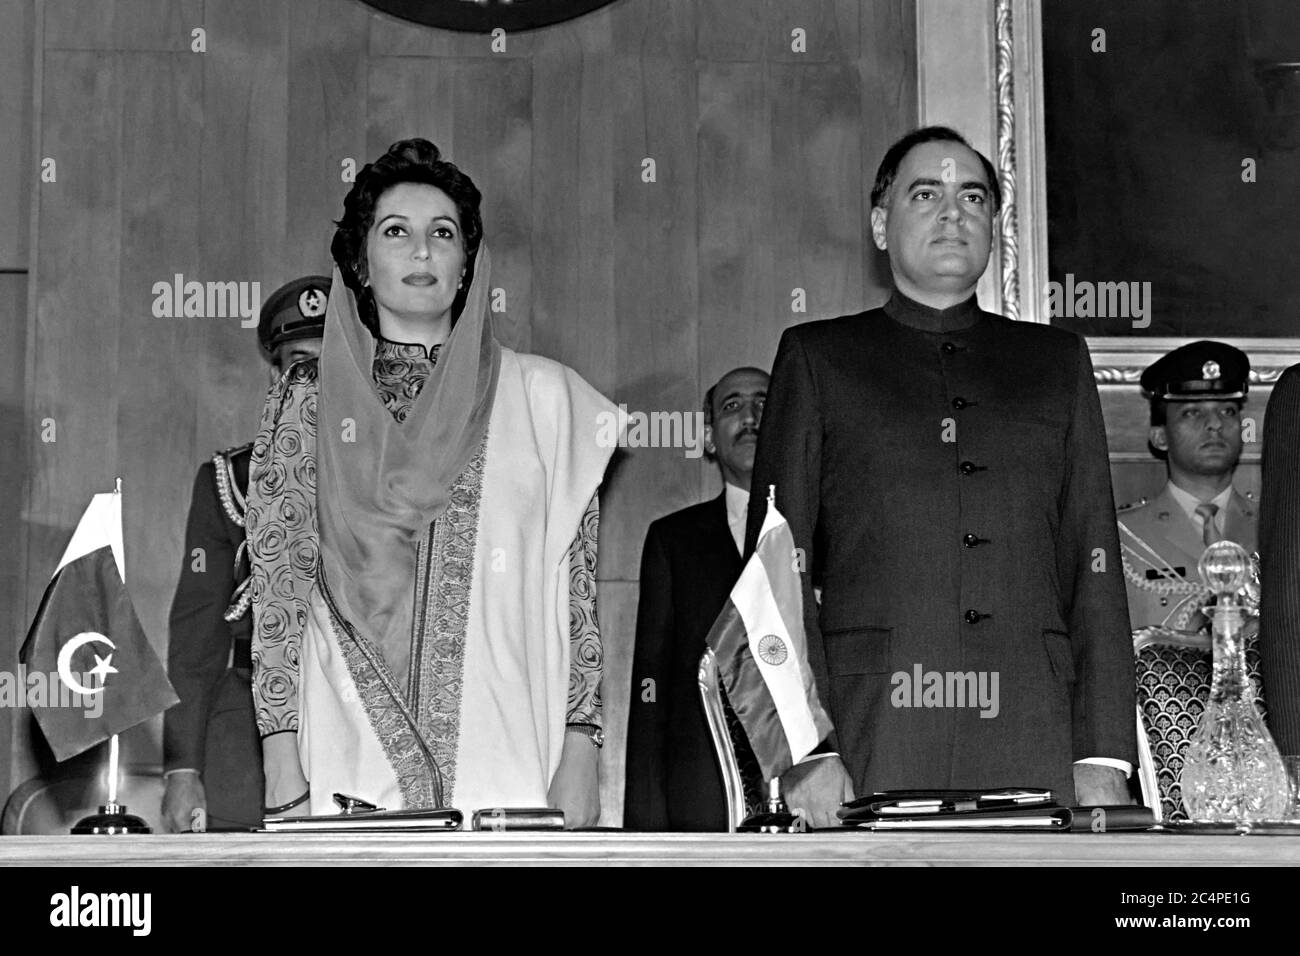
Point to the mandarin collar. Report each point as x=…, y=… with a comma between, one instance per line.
x=387, y=349
x=914, y=315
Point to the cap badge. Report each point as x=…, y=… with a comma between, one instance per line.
x=312, y=304
x=1210, y=371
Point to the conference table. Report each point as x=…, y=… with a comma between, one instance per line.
x=616, y=848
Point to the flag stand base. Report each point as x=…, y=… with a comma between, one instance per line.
x=111, y=820
x=775, y=819
x=772, y=823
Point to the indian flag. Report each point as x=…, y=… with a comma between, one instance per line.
x=762, y=653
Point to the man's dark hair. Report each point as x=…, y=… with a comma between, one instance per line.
x=888, y=169
x=406, y=161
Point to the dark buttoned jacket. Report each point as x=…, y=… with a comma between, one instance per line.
x=1279, y=559
x=946, y=476
x=688, y=566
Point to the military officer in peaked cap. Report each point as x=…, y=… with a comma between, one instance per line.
x=211, y=751
x=1197, y=393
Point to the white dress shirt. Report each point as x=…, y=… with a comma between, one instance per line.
x=737, y=514
x=1189, y=503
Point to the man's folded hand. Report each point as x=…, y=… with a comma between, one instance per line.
x=815, y=790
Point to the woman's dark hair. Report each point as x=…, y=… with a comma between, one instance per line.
x=407, y=161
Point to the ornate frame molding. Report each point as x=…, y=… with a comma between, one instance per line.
x=1008, y=232
x=1016, y=90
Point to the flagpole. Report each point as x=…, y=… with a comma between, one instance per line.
x=112, y=818
x=112, y=769
x=113, y=755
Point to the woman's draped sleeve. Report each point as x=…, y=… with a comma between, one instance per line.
x=586, y=655
x=283, y=543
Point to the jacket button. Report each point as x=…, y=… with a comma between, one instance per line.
x=949, y=348
x=970, y=540
x=972, y=616
x=959, y=403
x=968, y=467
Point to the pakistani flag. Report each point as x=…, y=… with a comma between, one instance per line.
x=762, y=653
x=86, y=641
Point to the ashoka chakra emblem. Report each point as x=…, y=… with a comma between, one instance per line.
x=772, y=649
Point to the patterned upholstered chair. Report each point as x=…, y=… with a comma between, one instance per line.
x=1174, y=673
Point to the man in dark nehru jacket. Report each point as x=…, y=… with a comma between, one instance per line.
x=944, y=472
x=689, y=564
x=1197, y=393
x=1279, y=558
x=211, y=752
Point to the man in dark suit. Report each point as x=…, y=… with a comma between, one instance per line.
x=211, y=752
x=1279, y=561
x=944, y=472
x=689, y=563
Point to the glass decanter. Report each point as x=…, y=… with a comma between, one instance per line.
x=1232, y=771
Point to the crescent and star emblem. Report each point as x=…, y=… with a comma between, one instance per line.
x=103, y=665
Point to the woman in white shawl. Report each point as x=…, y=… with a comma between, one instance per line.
x=422, y=526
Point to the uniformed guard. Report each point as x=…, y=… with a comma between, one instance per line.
x=1197, y=393
x=211, y=751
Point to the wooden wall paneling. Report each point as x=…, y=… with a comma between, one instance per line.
x=326, y=122
x=655, y=291
x=617, y=609
x=572, y=221
x=830, y=30
x=817, y=188
x=73, y=384
x=887, y=91
x=17, y=74
x=731, y=30
x=651, y=29
x=740, y=303
x=16, y=65
x=137, y=25
x=15, y=432
x=408, y=97
x=243, y=166
x=493, y=116
x=162, y=123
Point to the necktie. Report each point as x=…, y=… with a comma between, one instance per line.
x=1211, y=533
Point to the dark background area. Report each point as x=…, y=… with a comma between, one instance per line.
x=1145, y=144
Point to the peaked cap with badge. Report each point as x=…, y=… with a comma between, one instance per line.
x=296, y=310
x=1199, y=371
